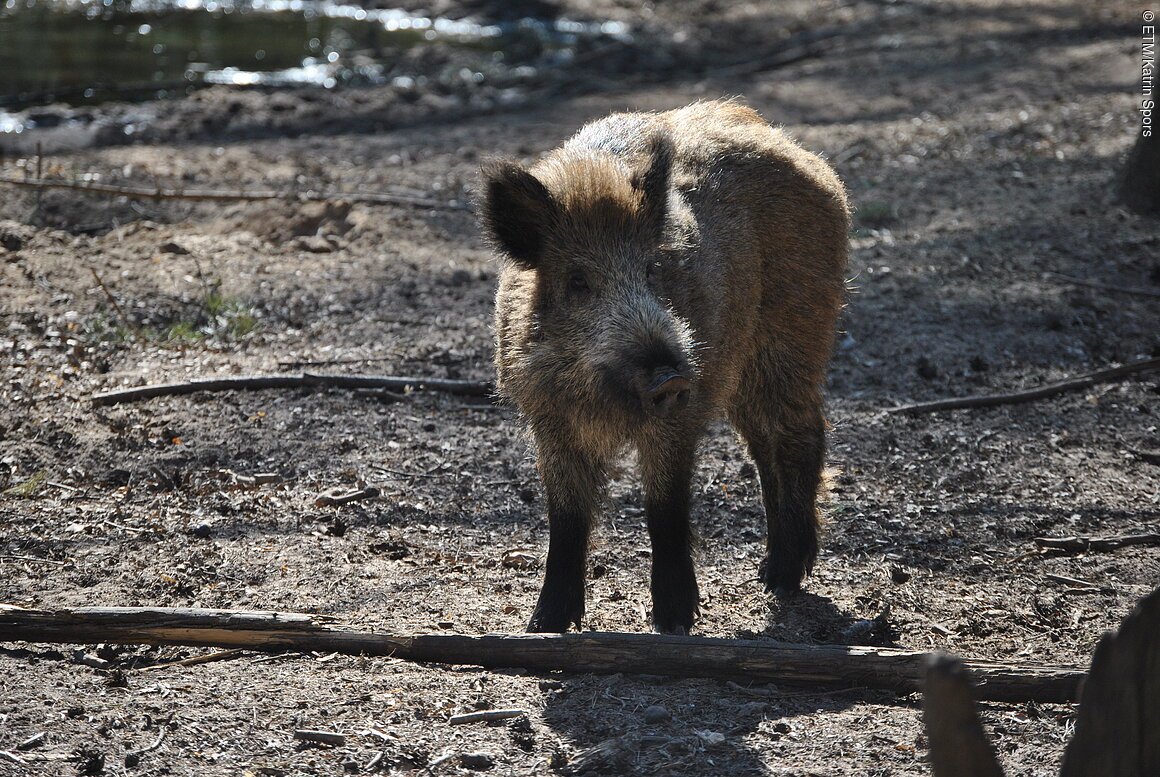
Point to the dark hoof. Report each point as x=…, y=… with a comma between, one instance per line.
x=675, y=604
x=782, y=580
x=542, y=624
x=674, y=618
x=555, y=614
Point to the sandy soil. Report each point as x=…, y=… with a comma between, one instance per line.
x=980, y=144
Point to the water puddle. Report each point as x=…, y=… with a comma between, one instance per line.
x=82, y=52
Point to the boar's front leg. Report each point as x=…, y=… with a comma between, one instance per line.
x=573, y=483
x=667, y=473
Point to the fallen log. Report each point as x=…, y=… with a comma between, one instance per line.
x=303, y=380
x=752, y=661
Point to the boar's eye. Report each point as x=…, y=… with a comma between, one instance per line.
x=652, y=270
x=578, y=284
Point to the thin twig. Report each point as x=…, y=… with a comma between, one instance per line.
x=304, y=380
x=159, y=193
x=440, y=760
x=128, y=324
x=772, y=693
x=793, y=49
x=1073, y=545
x=33, y=558
x=122, y=527
x=36, y=740
x=1071, y=581
x=1051, y=389
x=332, y=362
x=334, y=500
x=277, y=657
x=257, y=479
x=152, y=746
x=1105, y=286
x=221, y=655
x=383, y=735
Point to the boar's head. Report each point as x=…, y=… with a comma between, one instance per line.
x=601, y=243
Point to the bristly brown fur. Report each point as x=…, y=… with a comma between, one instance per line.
x=699, y=245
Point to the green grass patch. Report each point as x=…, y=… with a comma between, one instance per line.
x=213, y=317
x=29, y=487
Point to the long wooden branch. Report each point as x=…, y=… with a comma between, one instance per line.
x=753, y=661
x=221, y=195
x=1106, y=286
x=1095, y=544
x=472, y=388
x=1051, y=389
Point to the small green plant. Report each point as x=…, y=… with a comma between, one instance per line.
x=214, y=316
x=184, y=332
x=29, y=487
x=227, y=316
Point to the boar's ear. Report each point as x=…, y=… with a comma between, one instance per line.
x=516, y=211
x=653, y=184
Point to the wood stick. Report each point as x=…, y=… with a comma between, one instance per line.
x=125, y=320
x=1070, y=581
x=1105, y=286
x=34, y=559
x=36, y=740
x=341, y=498
x=761, y=661
x=149, y=748
x=304, y=380
x=1095, y=544
x=221, y=655
x=1051, y=389
x=484, y=716
x=321, y=737
x=206, y=195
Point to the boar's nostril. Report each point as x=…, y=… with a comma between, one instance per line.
x=667, y=394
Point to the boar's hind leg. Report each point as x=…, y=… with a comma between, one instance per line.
x=788, y=449
x=667, y=472
x=573, y=484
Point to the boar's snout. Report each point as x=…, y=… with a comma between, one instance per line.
x=667, y=393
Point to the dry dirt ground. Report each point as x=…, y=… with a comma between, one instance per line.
x=980, y=143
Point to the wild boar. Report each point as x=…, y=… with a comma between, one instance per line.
x=662, y=270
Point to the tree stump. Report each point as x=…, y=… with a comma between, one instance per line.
x=1117, y=731
x=958, y=745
